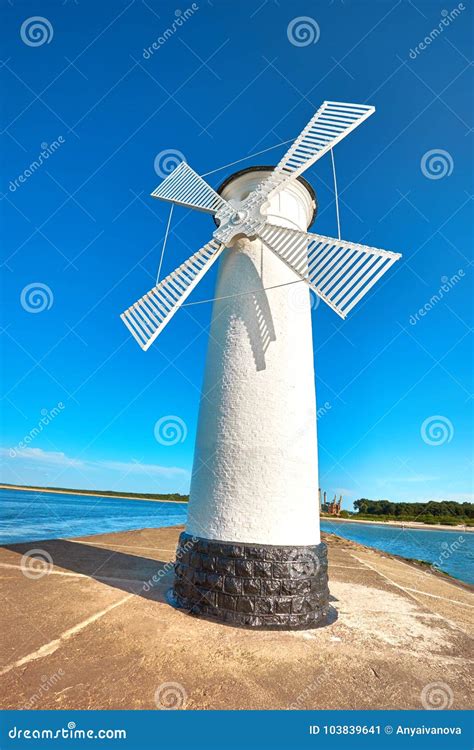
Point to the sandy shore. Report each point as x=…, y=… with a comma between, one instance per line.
x=403, y=524
x=87, y=493
x=98, y=633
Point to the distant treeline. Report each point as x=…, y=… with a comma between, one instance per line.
x=444, y=509
x=170, y=497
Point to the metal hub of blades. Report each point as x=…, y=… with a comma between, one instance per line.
x=239, y=217
x=340, y=272
x=242, y=220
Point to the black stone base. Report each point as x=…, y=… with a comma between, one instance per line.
x=255, y=586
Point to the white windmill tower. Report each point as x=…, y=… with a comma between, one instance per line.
x=251, y=554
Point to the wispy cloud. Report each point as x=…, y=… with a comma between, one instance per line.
x=410, y=479
x=58, y=459
x=51, y=458
x=136, y=467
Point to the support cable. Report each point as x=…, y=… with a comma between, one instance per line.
x=250, y=156
x=164, y=245
x=242, y=294
x=336, y=194
x=264, y=289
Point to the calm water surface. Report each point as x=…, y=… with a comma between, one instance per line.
x=32, y=516
x=452, y=551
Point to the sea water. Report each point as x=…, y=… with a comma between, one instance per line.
x=35, y=516
x=450, y=551
x=31, y=516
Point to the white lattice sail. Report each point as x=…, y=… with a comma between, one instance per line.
x=340, y=272
x=185, y=187
x=332, y=122
x=150, y=314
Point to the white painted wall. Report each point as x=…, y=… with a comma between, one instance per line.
x=255, y=474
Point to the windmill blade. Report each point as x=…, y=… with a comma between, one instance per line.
x=185, y=187
x=340, y=272
x=150, y=314
x=331, y=123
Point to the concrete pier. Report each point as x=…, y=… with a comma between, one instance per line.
x=95, y=631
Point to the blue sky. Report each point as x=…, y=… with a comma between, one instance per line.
x=228, y=83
